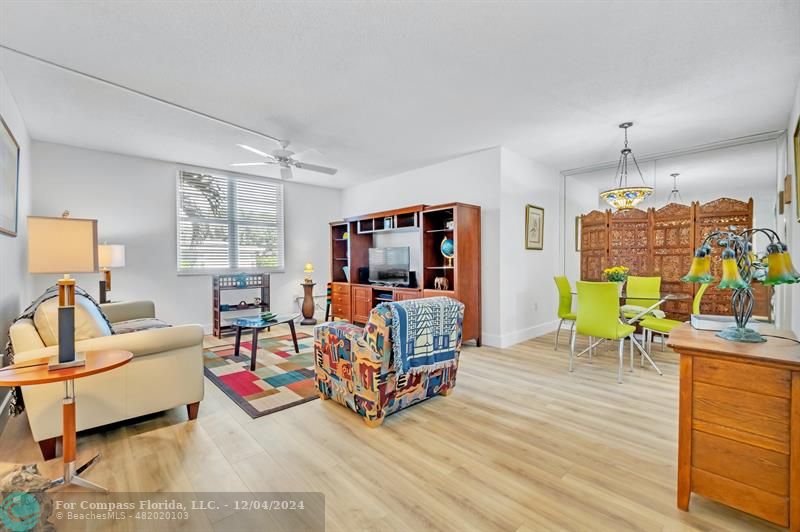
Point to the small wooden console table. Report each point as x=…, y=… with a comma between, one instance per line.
x=35, y=372
x=739, y=424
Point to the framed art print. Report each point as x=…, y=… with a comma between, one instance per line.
x=797, y=168
x=9, y=180
x=534, y=227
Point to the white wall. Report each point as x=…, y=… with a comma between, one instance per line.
x=793, y=227
x=514, y=281
x=527, y=293
x=14, y=278
x=472, y=178
x=133, y=200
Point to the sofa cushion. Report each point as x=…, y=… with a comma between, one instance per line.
x=139, y=324
x=89, y=321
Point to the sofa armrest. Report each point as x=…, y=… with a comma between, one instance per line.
x=139, y=343
x=128, y=310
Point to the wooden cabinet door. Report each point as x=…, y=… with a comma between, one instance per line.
x=362, y=303
x=403, y=295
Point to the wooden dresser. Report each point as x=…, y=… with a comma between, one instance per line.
x=739, y=424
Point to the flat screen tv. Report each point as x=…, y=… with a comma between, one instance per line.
x=389, y=266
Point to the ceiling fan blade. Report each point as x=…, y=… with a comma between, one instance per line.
x=286, y=172
x=315, y=168
x=250, y=164
x=257, y=152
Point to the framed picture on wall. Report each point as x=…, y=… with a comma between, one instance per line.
x=534, y=227
x=578, y=233
x=9, y=180
x=797, y=168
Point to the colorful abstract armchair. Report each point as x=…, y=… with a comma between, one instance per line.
x=355, y=366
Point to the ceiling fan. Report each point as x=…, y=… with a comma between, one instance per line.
x=284, y=158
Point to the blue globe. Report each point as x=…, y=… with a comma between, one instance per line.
x=447, y=248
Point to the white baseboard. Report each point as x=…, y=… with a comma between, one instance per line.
x=509, y=339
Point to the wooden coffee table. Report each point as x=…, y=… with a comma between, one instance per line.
x=257, y=323
x=35, y=371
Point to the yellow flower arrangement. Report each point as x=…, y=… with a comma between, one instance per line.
x=616, y=274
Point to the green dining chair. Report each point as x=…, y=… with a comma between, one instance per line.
x=598, y=316
x=564, y=304
x=641, y=293
x=664, y=326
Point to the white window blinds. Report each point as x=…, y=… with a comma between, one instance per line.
x=229, y=224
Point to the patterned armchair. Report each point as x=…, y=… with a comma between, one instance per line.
x=356, y=367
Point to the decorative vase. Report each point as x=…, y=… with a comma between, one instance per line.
x=620, y=287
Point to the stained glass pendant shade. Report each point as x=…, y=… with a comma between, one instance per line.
x=623, y=196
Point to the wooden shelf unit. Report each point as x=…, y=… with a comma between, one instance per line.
x=353, y=301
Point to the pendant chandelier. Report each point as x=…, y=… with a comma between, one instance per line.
x=624, y=196
x=675, y=195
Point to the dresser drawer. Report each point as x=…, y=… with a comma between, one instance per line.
x=748, y=377
x=341, y=311
x=759, y=468
x=759, y=414
x=341, y=288
x=340, y=299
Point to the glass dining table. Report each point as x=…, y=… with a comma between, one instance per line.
x=638, y=311
x=653, y=301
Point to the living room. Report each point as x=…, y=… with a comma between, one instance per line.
x=303, y=254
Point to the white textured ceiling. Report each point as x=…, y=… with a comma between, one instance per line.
x=382, y=87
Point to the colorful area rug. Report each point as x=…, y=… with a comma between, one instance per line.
x=282, y=378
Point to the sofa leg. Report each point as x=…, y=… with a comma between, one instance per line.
x=192, y=409
x=48, y=448
x=446, y=392
x=372, y=423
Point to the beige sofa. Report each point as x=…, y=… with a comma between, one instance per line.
x=166, y=370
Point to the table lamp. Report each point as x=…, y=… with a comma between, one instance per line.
x=109, y=256
x=308, y=270
x=60, y=245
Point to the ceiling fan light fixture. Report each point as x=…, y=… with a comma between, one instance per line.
x=623, y=196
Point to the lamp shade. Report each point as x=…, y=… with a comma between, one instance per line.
x=309, y=268
x=61, y=245
x=111, y=255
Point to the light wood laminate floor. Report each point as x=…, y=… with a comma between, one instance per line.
x=520, y=445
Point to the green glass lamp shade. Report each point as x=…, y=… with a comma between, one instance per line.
x=731, y=278
x=779, y=267
x=700, y=271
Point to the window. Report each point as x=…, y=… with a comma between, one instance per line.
x=229, y=224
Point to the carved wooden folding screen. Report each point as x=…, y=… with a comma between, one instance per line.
x=672, y=250
x=594, y=245
x=713, y=216
x=629, y=240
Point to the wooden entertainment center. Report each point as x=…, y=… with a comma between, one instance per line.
x=352, y=238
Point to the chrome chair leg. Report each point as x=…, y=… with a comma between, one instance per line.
x=621, y=357
x=645, y=353
x=571, y=349
x=560, y=323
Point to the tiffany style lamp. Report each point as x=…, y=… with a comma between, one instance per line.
x=740, y=268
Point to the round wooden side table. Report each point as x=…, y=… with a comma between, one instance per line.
x=35, y=371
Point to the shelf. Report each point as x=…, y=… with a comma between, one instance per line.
x=248, y=307
x=341, y=239
x=440, y=267
x=440, y=230
x=338, y=258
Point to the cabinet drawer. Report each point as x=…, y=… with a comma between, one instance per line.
x=341, y=311
x=341, y=288
x=753, y=466
x=759, y=414
x=747, y=377
x=340, y=299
